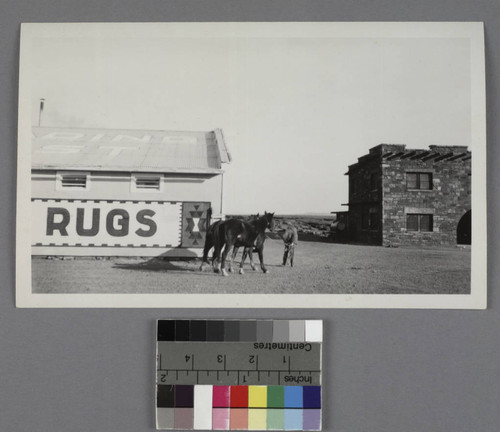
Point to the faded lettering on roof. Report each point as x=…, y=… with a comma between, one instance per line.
x=137, y=150
x=118, y=138
x=115, y=151
x=61, y=149
x=110, y=152
x=96, y=137
x=67, y=136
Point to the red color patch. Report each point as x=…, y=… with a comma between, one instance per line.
x=239, y=396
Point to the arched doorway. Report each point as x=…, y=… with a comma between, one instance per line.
x=464, y=229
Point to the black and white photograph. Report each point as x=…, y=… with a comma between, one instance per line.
x=252, y=165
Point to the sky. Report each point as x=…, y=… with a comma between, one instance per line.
x=295, y=112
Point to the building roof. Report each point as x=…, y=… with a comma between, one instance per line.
x=389, y=152
x=128, y=150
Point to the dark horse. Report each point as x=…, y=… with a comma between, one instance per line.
x=211, y=230
x=209, y=244
x=258, y=246
x=226, y=234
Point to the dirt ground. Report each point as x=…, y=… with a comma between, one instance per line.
x=320, y=267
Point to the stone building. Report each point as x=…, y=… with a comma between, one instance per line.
x=400, y=196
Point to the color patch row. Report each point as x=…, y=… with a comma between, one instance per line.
x=240, y=331
x=206, y=407
x=238, y=419
x=239, y=396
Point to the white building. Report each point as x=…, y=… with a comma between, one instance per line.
x=101, y=192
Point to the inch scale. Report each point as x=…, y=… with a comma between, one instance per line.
x=239, y=363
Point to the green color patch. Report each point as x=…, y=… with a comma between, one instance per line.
x=275, y=396
x=275, y=419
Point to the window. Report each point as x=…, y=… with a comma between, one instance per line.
x=419, y=222
x=421, y=181
x=146, y=183
x=72, y=180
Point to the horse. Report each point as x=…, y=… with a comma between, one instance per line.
x=259, y=244
x=209, y=244
x=290, y=238
x=209, y=240
x=247, y=234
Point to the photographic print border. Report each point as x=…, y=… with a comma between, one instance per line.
x=475, y=300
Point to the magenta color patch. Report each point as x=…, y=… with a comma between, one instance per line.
x=221, y=397
x=220, y=418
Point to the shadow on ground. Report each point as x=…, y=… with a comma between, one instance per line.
x=185, y=266
x=160, y=265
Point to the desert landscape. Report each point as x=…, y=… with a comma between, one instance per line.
x=321, y=266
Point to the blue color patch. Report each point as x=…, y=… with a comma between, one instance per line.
x=293, y=397
x=312, y=397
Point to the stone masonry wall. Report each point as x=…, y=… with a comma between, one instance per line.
x=365, y=192
x=448, y=200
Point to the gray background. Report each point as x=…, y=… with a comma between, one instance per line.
x=385, y=370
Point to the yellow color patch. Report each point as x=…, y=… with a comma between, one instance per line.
x=257, y=419
x=257, y=397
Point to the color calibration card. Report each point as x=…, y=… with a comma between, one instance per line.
x=239, y=375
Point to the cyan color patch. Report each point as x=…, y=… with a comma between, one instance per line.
x=293, y=419
x=293, y=397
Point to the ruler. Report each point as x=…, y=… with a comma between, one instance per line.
x=239, y=363
x=251, y=374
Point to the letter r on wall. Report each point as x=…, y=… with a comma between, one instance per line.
x=60, y=226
